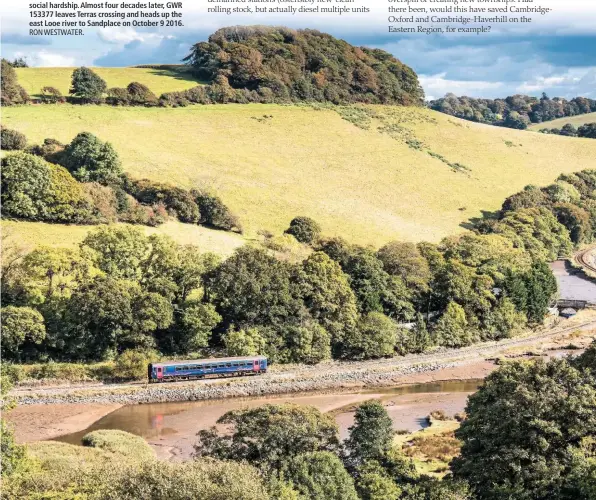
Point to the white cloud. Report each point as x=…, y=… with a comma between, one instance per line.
x=126, y=35
x=437, y=86
x=50, y=59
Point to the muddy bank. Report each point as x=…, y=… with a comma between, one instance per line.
x=42, y=422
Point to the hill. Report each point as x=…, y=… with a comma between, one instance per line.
x=158, y=80
x=573, y=120
x=369, y=173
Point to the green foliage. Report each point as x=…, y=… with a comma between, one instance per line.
x=373, y=337
x=269, y=435
x=452, y=328
x=20, y=325
x=304, y=229
x=266, y=64
x=11, y=92
x=194, y=327
x=371, y=436
x=123, y=443
x=36, y=190
x=11, y=140
x=247, y=342
x=204, y=479
x=308, y=343
x=522, y=428
x=405, y=261
x=374, y=483
x=516, y=111
x=91, y=160
x=319, y=475
x=132, y=363
x=51, y=95
x=214, y=213
x=140, y=95
x=87, y=85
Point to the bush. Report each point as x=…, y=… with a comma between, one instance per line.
x=34, y=189
x=132, y=363
x=11, y=92
x=11, y=140
x=51, y=95
x=177, y=200
x=50, y=150
x=87, y=85
x=104, y=202
x=214, y=213
x=123, y=443
x=118, y=96
x=304, y=229
x=139, y=94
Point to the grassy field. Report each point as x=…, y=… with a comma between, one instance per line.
x=574, y=120
x=158, y=80
x=411, y=174
x=30, y=234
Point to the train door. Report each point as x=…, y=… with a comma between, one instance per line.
x=256, y=365
x=159, y=373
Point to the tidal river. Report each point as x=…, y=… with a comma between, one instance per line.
x=171, y=427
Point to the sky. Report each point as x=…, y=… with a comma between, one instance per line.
x=555, y=53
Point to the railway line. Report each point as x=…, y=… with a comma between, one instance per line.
x=585, y=260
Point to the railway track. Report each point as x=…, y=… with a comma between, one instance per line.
x=584, y=260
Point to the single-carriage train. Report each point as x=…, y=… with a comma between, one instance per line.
x=201, y=368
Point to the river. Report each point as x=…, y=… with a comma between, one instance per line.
x=171, y=427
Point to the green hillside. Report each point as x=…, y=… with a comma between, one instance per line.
x=158, y=80
x=406, y=173
x=574, y=120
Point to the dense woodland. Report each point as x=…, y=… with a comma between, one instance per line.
x=518, y=111
x=528, y=434
x=123, y=292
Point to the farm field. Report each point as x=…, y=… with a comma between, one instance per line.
x=574, y=120
x=27, y=235
x=158, y=80
x=406, y=173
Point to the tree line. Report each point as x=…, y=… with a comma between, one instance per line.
x=244, y=64
x=83, y=183
x=569, y=130
x=517, y=111
x=122, y=290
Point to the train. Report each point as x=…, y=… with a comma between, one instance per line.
x=202, y=368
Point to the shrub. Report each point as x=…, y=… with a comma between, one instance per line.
x=118, y=96
x=123, y=443
x=139, y=94
x=373, y=337
x=11, y=140
x=132, y=363
x=214, y=213
x=34, y=189
x=104, y=202
x=51, y=95
x=437, y=415
x=49, y=150
x=247, y=342
x=304, y=229
x=177, y=200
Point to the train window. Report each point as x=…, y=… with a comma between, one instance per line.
x=185, y=367
x=228, y=365
x=177, y=368
x=206, y=367
x=234, y=364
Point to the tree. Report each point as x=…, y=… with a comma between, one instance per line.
x=20, y=325
x=326, y=292
x=522, y=428
x=452, y=328
x=215, y=213
x=89, y=159
x=247, y=342
x=373, y=337
x=320, y=475
x=87, y=85
x=374, y=483
x=304, y=229
x=541, y=287
x=268, y=435
x=307, y=343
x=371, y=436
x=406, y=261
x=119, y=251
x=588, y=130
x=10, y=90
x=51, y=95
x=194, y=327
x=254, y=288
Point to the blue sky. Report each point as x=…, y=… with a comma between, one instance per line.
x=555, y=54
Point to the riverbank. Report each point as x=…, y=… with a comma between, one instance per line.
x=322, y=377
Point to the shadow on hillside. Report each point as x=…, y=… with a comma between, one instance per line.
x=473, y=222
x=183, y=75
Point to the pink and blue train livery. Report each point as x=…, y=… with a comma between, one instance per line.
x=201, y=368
